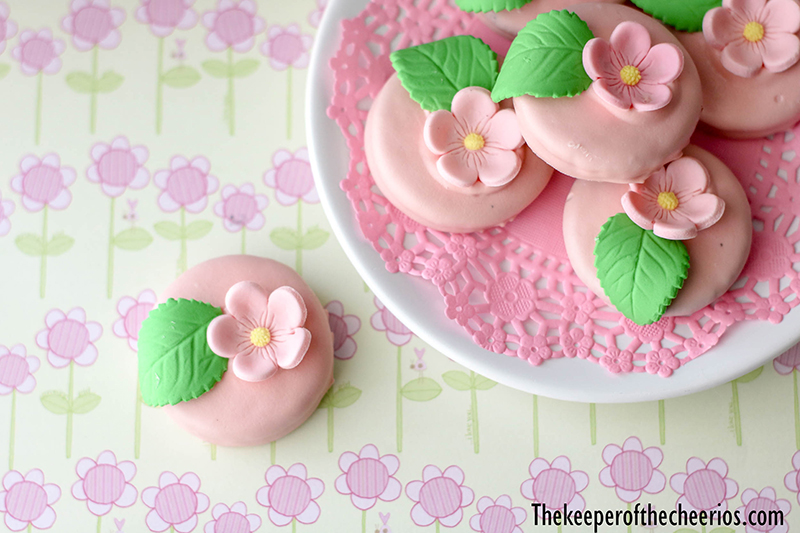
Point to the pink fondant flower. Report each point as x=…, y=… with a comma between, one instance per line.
x=343, y=327
x=132, y=313
x=8, y=28
x=185, y=184
x=93, y=23
x=69, y=338
x=43, y=182
x=440, y=497
x=662, y=362
x=498, y=516
x=287, y=47
x=175, y=503
x=38, y=52
x=754, y=33
x=105, y=483
x=555, y=485
x=241, y=208
x=475, y=141
x=7, y=209
x=616, y=361
x=118, y=165
x=368, y=477
x=674, y=202
x=16, y=370
x=291, y=178
x=27, y=501
x=233, y=24
x=261, y=331
x=511, y=297
x=165, y=16
x=384, y=320
x=290, y=495
x=704, y=487
x=627, y=71
x=788, y=361
x=763, y=503
x=233, y=519
x=632, y=470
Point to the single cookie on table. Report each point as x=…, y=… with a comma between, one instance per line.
x=602, y=92
x=239, y=353
x=440, y=150
x=633, y=245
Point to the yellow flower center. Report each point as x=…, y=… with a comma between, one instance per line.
x=668, y=201
x=474, y=141
x=753, y=31
x=630, y=75
x=260, y=337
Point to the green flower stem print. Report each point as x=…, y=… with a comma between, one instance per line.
x=298, y=240
x=230, y=71
x=42, y=246
x=213, y=452
x=735, y=411
x=67, y=404
x=19, y=368
x=137, y=423
x=38, y=54
x=662, y=422
x=342, y=397
x=593, y=423
x=785, y=364
x=273, y=452
x=473, y=383
x=38, y=108
x=180, y=77
x=93, y=84
x=183, y=233
x=241, y=209
x=796, y=410
x=420, y=389
x=131, y=239
x=535, y=425
x=12, y=430
x=289, y=103
x=5, y=68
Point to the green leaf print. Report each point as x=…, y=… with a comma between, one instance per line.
x=421, y=390
x=181, y=77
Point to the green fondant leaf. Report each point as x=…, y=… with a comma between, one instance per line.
x=433, y=73
x=490, y=5
x=421, y=390
x=457, y=380
x=683, y=15
x=546, y=59
x=175, y=361
x=640, y=272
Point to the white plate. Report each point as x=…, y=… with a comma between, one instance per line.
x=417, y=303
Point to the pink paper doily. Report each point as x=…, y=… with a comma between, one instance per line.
x=513, y=289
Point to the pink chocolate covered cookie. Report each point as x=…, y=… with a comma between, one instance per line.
x=509, y=22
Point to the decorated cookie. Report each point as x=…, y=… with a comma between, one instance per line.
x=602, y=92
x=670, y=245
x=440, y=149
x=239, y=353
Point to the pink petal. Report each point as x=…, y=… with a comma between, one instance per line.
x=781, y=51
x=225, y=336
x=749, y=8
x=663, y=64
x=392, y=491
x=291, y=349
x=675, y=227
x=98, y=509
x=655, y=455
x=420, y=517
x=391, y=462
x=413, y=489
x=456, y=168
x=187, y=525
x=46, y=519
x=704, y=210
x=605, y=477
x=612, y=94
x=310, y=514
x=502, y=130
x=630, y=41
x=278, y=519
x=742, y=58
x=273, y=474
x=286, y=309
x=191, y=480
x=657, y=483
x=677, y=482
x=61, y=201
x=472, y=107
x=498, y=167
x=641, y=210
x=453, y=519
x=649, y=97
x=611, y=451
x=441, y=133
x=597, y=59
x=77, y=491
x=253, y=367
x=720, y=27
x=454, y=473
x=628, y=496
x=316, y=486
x=686, y=177
x=87, y=357
x=247, y=301
x=430, y=472
x=781, y=16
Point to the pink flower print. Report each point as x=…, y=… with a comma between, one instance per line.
x=261, y=331
x=578, y=307
x=498, y=516
x=631, y=470
x=461, y=246
x=384, y=320
x=105, y=483
x=368, y=477
x=186, y=184
x=27, y=501
x=661, y=362
x=69, y=338
x=7, y=209
x=491, y=338
x=510, y=297
x=233, y=519
x=754, y=34
x=439, y=270
x=132, y=313
x=165, y=16
x=576, y=343
x=457, y=308
x=534, y=349
x=287, y=47
x=616, y=361
x=241, y=208
x=93, y=23
x=290, y=495
x=704, y=487
x=175, y=503
x=291, y=178
x=476, y=141
x=315, y=17
x=440, y=497
x=117, y=166
x=555, y=485
x=788, y=361
x=674, y=202
x=343, y=328
x=43, y=182
x=628, y=72
x=8, y=28
x=763, y=503
x=233, y=25
x=17, y=369
x=38, y=52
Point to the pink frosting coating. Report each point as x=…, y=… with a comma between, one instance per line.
x=717, y=254
x=508, y=22
x=473, y=113
x=612, y=144
x=248, y=309
x=685, y=178
x=630, y=48
x=405, y=171
x=237, y=412
x=772, y=43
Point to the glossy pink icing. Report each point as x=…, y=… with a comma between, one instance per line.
x=508, y=23
x=697, y=209
x=717, y=254
x=237, y=412
x=447, y=134
x=612, y=144
x=250, y=310
x=405, y=171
